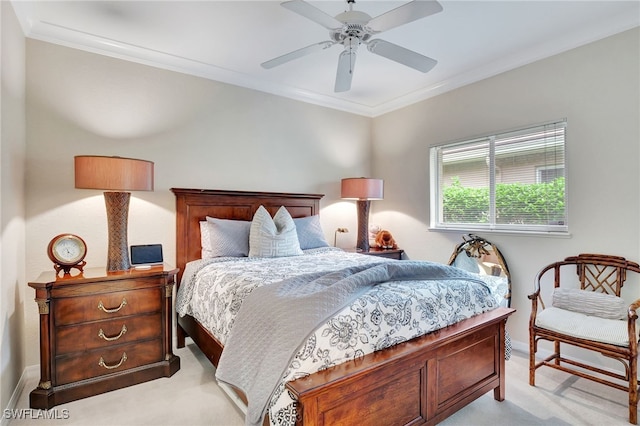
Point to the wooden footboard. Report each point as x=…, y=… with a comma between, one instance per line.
x=421, y=381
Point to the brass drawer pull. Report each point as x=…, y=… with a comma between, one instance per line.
x=111, y=367
x=111, y=311
x=110, y=339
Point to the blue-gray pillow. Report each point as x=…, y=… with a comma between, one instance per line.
x=310, y=233
x=228, y=237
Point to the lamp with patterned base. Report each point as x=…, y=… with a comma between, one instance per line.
x=116, y=175
x=363, y=190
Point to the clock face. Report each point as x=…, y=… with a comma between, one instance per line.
x=67, y=249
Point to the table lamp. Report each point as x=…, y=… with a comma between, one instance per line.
x=363, y=190
x=115, y=175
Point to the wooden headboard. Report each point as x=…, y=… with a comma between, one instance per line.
x=194, y=205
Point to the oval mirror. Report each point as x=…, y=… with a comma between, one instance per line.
x=482, y=257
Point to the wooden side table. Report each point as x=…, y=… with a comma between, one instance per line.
x=102, y=331
x=390, y=253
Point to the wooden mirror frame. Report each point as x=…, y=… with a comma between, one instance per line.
x=485, y=252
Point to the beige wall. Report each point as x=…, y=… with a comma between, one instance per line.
x=12, y=230
x=597, y=88
x=199, y=133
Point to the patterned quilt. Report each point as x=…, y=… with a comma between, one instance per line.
x=212, y=291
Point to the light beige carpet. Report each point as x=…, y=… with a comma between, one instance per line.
x=191, y=397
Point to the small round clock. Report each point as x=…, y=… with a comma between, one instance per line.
x=67, y=251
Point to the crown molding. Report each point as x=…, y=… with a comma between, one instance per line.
x=56, y=34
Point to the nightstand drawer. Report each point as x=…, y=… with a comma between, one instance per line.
x=103, y=334
x=107, y=360
x=73, y=310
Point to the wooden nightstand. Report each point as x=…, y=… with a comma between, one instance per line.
x=102, y=331
x=390, y=253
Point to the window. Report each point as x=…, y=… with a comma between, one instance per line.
x=512, y=181
x=546, y=174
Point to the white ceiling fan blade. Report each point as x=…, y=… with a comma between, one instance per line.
x=297, y=54
x=404, y=14
x=344, y=75
x=401, y=55
x=312, y=13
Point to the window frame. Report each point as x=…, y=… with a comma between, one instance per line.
x=436, y=209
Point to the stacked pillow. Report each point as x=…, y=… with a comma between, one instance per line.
x=310, y=233
x=224, y=237
x=273, y=237
x=262, y=237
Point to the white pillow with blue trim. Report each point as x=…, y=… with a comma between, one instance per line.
x=273, y=237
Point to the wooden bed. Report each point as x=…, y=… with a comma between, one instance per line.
x=422, y=381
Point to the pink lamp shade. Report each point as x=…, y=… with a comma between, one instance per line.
x=362, y=189
x=116, y=175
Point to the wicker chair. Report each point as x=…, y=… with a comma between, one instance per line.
x=591, y=315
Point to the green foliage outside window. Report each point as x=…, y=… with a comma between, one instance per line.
x=516, y=203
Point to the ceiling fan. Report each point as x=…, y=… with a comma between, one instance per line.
x=353, y=28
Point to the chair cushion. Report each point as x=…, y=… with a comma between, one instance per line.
x=590, y=303
x=589, y=327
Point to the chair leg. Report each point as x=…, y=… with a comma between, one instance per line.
x=633, y=391
x=532, y=359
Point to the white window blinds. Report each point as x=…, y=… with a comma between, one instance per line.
x=507, y=181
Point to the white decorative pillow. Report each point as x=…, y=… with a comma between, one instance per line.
x=275, y=237
x=590, y=303
x=228, y=237
x=310, y=233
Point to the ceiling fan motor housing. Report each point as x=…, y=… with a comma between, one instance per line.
x=354, y=26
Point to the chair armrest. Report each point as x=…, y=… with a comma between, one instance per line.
x=631, y=327
x=633, y=315
x=534, y=297
x=534, y=308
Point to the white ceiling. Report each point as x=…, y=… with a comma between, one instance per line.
x=227, y=41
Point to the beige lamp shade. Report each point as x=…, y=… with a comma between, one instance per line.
x=362, y=189
x=113, y=173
